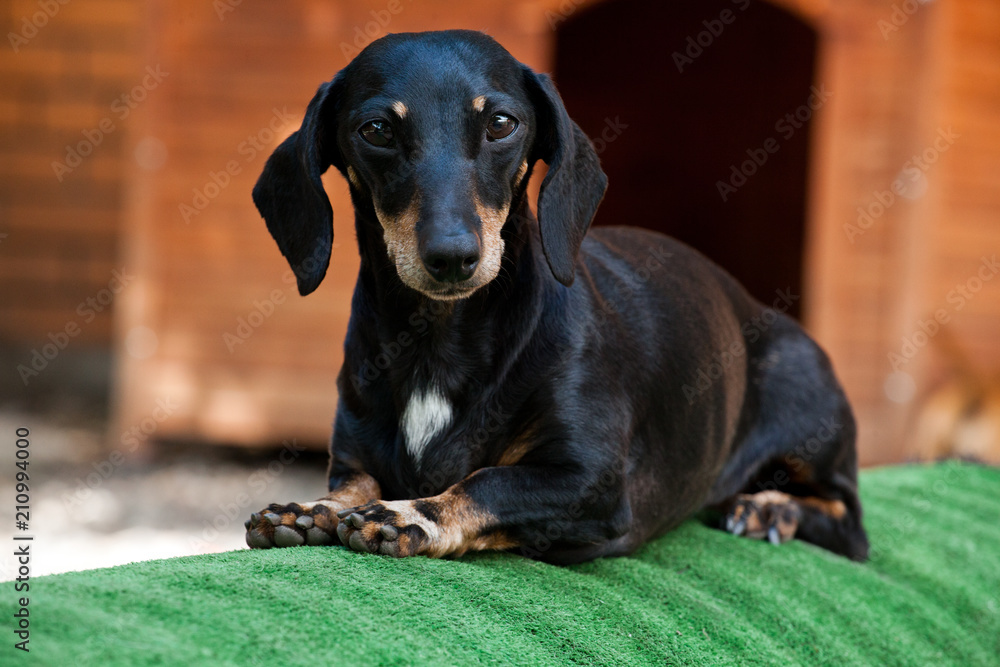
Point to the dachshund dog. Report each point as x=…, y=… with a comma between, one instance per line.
x=517, y=383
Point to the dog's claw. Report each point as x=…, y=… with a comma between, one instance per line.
x=773, y=536
x=247, y=524
x=345, y=512
x=254, y=518
x=739, y=527
x=389, y=532
x=356, y=520
x=305, y=522
x=274, y=519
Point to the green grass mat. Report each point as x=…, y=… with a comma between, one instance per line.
x=929, y=596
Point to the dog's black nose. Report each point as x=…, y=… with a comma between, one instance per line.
x=452, y=259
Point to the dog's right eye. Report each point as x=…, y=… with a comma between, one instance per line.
x=500, y=126
x=377, y=133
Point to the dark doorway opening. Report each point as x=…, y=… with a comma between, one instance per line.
x=686, y=95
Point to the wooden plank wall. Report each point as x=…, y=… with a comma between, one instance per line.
x=968, y=225
x=63, y=72
x=881, y=265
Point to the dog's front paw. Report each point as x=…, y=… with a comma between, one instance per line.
x=291, y=525
x=768, y=514
x=394, y=528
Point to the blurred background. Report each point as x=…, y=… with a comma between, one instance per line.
x=842, y=157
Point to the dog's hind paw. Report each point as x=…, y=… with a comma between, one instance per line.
x=291, y=525
x=770, y=515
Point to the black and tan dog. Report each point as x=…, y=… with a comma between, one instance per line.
x=518, y=384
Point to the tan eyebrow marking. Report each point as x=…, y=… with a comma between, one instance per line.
x=399, y=108
x=353, y=177
x=521, y=171
x=479, y=103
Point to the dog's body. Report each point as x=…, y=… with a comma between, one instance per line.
x=511, y=384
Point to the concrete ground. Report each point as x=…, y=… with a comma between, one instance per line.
x=91, y=506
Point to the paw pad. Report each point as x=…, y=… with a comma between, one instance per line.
x=290, y=526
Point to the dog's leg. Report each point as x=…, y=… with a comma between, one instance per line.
x=493, y=508
x=768, y=514
x=794, y=474
x=312, y=523
x=445, y=525
x=778, y=517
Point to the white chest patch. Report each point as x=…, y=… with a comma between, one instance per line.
x=427, y=413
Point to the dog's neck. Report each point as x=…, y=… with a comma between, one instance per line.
x=450, y=344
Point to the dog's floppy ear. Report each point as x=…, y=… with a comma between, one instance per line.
x=289, y=193
x=574, y=184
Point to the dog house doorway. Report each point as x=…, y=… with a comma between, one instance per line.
x=701, y=111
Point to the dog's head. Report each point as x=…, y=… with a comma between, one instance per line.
x=436, y=134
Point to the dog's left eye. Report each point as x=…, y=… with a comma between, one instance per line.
x=500, y=126
x=377, y=133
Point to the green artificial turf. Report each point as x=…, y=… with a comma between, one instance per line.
x=929, y=596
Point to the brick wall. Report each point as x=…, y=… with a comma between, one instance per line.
x=62, y=130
